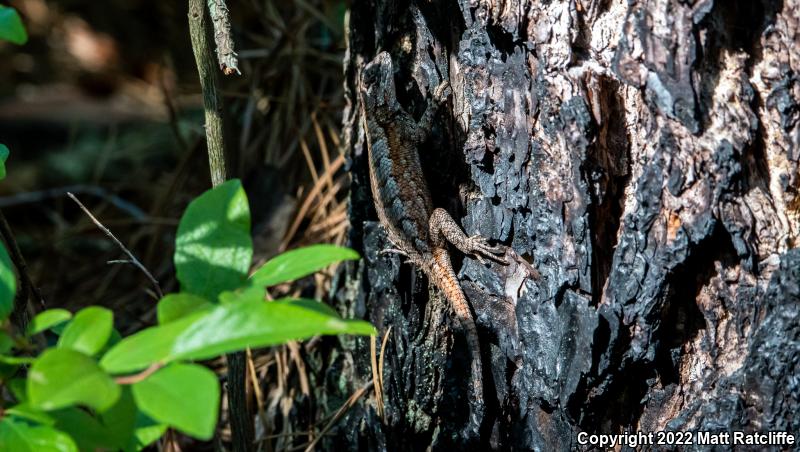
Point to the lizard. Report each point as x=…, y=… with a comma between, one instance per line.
x=405, y=209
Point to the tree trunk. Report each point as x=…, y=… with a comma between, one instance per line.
x=643, y=156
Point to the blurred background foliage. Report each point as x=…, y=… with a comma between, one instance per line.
x=104, y=101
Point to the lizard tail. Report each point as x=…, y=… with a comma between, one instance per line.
x=445, y=278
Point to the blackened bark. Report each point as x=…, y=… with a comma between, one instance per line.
x=644, y=157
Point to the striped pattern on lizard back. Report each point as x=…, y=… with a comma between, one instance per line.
x=401, y=195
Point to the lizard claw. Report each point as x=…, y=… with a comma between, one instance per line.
x=481, y=249
x=397, y=251
x=386, y=251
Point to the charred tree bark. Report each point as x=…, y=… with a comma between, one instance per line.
x=643, y=156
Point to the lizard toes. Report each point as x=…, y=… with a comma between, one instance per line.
x=481, y=248
x=393, y=251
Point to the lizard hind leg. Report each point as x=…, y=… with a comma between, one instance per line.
x=444, y=228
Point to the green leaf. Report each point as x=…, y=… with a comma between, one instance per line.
x=85, y=429
x=11, y=28
x=8, y=284
x=213, y=248
x=254, y=323
x=249, y=292
x=89, y=331
x=298, y=263
x=146, y=347
x=120, y=420
x=6, y=342
x=114, y=429
x=17, y=360
x=25, y=411
x=249, y=322
x=147, y=432
x=183, y=396
x=4, y=152
x=61, y=377
x=20, y=437
x=177, y=305
x=48, y=319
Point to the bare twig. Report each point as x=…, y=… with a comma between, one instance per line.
x=380, y=370
x=373, y=357
x=125, y=250
x=212, y=102
x=220, y=18
x=377, y=368
x=27, y=288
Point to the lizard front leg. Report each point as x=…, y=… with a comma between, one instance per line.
x=440, y=95
x=443, y=228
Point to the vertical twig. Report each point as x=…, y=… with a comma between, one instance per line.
x=243, y=434
x=238, y=409
x=212, y=103
x=26, y=289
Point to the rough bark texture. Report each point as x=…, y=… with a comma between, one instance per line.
x=644, y=157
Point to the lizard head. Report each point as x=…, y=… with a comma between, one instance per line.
x=376, y=90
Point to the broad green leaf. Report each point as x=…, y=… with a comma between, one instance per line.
x=147, y=432
x=230, y=327
x=183, y=396
x=11, y=28
x=48, y=319
x=85, y=429
x=151, y=345
x=235, y=296
x=298, y=263
x=61, y=377
x=25, y=411
x=8, y=284
x=255, y=323
x=213, y=248
x=18, y=436
x=59, y=329
x=89, y=331
x=119, y=421
x=177, y=305
x=4, y=152
x=114, y=429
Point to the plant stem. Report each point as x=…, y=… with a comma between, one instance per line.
x=238, y=410
x=212, y=103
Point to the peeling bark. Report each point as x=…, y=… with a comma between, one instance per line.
x=644, y=157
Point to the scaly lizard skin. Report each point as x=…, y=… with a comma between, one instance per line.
x=404, y=205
